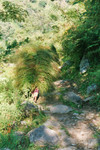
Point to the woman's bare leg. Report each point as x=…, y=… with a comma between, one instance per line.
x=35, y=99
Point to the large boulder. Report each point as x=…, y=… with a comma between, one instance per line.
x=43, y=135
x=60, y=109
x=72, y=97
x=84, y=65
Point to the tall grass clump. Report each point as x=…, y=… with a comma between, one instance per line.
x=35, y=66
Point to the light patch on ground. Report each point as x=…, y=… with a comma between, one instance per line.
x=81, y=132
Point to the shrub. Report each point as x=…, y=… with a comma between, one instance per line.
x=53, y=17
x=14, y=44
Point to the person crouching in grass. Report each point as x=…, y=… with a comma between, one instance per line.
x=35, y=94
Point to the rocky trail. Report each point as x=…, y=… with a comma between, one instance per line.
x=67, y=128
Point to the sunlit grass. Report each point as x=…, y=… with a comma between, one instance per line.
x=36, y=66
x=8, y=115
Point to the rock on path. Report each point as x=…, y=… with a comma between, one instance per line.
x=68, y=148
x=43, y=135
x=60, y=109
x=73, y=97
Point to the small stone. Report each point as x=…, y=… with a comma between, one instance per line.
x=58, y=82
x=91, y=88
x=82, y=114
x=59, y=109
x=61, y=83
x=75, y=114
x=71, y=96
x=23, y=122
x=5, y=149
x=84, y=65
x=52, y=123
x=78, y=117
x=68, y=148
x=89, y=98
x=18, y=133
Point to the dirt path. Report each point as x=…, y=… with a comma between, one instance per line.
x=77, y=129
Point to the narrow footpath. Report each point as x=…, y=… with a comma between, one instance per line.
x=71, y=128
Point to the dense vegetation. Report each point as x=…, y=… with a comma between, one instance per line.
x=35, y=38
x=83, y=40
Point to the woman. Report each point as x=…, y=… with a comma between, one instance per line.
x=35, y=94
